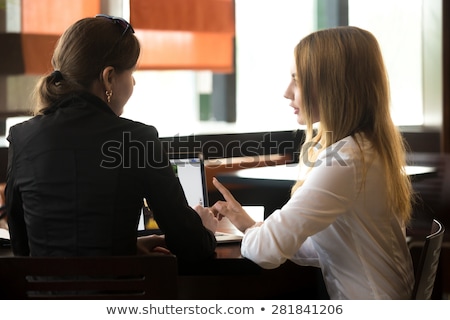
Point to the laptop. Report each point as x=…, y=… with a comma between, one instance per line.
x=190, y=170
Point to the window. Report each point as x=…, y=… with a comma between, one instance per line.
x=409, y=33
x=265, y=39
x=398, y=27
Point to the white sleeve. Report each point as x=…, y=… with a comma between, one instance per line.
x=326, y=194
x=306, y=255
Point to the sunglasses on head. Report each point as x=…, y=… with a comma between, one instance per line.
x=118, y=20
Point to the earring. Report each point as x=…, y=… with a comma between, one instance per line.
x=108, y=95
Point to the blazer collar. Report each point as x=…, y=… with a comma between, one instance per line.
x=81, y=98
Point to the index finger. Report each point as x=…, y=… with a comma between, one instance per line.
x=224, y=191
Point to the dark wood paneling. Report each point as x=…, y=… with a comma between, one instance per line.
x=422, y=139
x=237, y=145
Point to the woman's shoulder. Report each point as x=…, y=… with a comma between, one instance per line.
x=350, y=154
x=24, y=128
x=138, y=127
x=355, y=147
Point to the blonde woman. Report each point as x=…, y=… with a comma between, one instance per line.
x=349, y=210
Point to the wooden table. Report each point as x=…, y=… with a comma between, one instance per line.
x=230, y=276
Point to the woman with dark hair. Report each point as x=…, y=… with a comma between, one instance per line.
x=78, y=173
x=350, y=207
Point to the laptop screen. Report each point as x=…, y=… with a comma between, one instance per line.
x=191, y=173
x=190, y=170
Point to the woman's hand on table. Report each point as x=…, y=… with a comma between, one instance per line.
x=152, y=244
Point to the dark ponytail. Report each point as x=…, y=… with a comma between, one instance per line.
x=51, y=89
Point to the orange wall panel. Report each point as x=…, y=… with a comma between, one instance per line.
x=183, y=15
x=54, y=16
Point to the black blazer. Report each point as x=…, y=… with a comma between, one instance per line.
x=76, y=180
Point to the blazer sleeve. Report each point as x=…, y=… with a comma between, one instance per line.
x=185, y=234
x=14, y=208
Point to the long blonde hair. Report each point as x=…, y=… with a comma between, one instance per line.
x=342, y=74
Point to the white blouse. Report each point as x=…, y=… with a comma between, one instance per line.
x=342, y=226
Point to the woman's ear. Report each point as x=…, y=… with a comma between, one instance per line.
x=107, y=77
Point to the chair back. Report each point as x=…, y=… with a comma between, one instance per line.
x=126, y=277
x=428, y=263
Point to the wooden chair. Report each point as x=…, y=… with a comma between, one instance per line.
x=130, y=277
x=426, y=267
